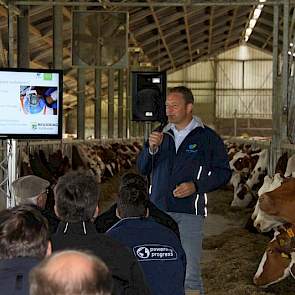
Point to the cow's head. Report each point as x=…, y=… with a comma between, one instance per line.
x=281, y=201
x=276, y=262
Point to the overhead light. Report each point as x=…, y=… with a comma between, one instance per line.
x=252, y=23
x=291, y=44
x=253, y=20
x=256, y=13
x=289, y=52
x=248, y=31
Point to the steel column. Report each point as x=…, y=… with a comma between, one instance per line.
x=23, y=54
x=97, y=104
x=58, y=37
x=120, y=102
x=11, y=62
x=276, y=107
x=81, y=104
x=111, y=103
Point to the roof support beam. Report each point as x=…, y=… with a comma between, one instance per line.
x=161, y=33
x=210, y=29
x=188, y=36
x=231, y=27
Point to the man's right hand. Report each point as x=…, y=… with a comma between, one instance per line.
x=155, y=140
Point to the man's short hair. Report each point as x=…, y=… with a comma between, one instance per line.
x=76, y=196
x=53, y=277
x=132, y=198
x=26, y=189
x=186, y=93
x=23, y=233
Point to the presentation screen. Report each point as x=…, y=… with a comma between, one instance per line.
x=31, y=103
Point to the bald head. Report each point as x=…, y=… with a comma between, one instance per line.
x=71, y=272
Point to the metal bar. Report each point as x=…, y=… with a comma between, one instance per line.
x=81, y=104
x=120, y=103
x=58, y=37
x=128, y=104
x=285, y=73
x=275, y=143
x=154, y=4
x=11, y=62
x=23, y=53
x=111, y=104
x=97, y=104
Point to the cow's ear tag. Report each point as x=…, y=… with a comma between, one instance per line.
x=290, y=233
x=282, y=242
x=284, y=255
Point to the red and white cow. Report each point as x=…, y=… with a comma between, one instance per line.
x=245, y=192
x=281, y=201
x=263, y=221
x=278, y=260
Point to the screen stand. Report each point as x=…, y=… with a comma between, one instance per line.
x=12, y=170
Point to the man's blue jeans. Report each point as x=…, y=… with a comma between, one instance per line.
x=191, y=235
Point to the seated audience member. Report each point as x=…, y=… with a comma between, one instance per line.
x=71, y=273
x=155, y=246
x=76, y=204
x=24, y=241
x=32, y=190
x=106, y=220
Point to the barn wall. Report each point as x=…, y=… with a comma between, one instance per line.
x=200, y=79
x=240, y=96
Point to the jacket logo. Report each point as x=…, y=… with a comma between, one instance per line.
x=192, y=148
x=154, y=252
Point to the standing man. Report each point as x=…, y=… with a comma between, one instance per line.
x=185, y=161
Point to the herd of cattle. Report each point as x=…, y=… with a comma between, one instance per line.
x=273, y=202
x=103, y=160
x=272, y=198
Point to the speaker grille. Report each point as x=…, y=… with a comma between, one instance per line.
x=148, y=96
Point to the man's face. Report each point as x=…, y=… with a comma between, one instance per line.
x=177, y=110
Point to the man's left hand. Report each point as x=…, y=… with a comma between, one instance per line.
x=184, y=190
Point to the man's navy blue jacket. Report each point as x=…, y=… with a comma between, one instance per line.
x=200, y=158
x=14, y=275
x=158, y=250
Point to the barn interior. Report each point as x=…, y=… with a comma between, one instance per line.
x=237, y=57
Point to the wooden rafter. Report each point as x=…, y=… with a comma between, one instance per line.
x=210, y=29
x=161, y=33
x=231, y=27
x=187, y=31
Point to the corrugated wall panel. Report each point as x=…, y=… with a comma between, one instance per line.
x=258, y=74
x=229, y=75
x=244, y=84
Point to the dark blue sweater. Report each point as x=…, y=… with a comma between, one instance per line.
x=158, y=250
x=200, y=158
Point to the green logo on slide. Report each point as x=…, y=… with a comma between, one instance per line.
x=47, y=76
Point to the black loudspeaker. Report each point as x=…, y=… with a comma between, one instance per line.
x=148, y=96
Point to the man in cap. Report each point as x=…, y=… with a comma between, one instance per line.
x=32, y=190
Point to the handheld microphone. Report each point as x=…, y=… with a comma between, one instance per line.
x=162, y=125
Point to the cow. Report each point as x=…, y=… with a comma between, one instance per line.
x=277, y=262
x=290, y=166
x=263, y=221
x=281, y=201
x=245, y=192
